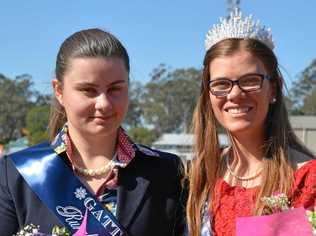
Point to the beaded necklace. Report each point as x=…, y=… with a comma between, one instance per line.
x=241, y=178
x=95, y=172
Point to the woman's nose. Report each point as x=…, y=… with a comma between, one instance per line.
x=234, y=92
x=103, y=102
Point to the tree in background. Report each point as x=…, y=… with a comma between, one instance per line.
x=303, y=92
x=142, y=135
x=15, y=97
x=37, y=123
x=309, y=106
x=134, y=114
x=170, y=97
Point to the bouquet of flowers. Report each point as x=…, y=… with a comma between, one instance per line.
x=34, y=230
x=280, y=220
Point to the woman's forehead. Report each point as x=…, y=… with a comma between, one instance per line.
x=237, y=64
x=96, y=70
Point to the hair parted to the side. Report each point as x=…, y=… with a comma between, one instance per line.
x=208, y=167
x=89, y=43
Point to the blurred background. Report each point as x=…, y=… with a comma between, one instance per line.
x=165, y=41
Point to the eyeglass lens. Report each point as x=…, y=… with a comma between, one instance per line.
x=221, y=87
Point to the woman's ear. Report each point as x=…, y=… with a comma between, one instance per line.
x=57, y=86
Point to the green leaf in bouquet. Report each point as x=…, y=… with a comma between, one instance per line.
x=60, y=231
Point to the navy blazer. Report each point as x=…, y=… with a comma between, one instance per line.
x=150, y=200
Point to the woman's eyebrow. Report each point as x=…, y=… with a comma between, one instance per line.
x=86, y=84
x=118, y=82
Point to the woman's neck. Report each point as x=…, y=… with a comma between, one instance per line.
x=247, y=151
x=91, y=151
x=246, y=154
x=244, y=161
x=248, y=147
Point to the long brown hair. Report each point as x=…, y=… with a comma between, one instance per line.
x=89, y=43
x=206, y=168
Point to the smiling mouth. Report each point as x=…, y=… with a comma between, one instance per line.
x=103, y=117
x=236, y=111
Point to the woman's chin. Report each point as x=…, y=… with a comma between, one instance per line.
x=239, y=128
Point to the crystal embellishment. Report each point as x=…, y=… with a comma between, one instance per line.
x=80, y=193
x=237, y=26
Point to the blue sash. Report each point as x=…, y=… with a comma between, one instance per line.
x=58, y=188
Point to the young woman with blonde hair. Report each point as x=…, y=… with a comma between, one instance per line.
x=242, y=90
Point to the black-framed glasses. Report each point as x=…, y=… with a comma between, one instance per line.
x=247, y=83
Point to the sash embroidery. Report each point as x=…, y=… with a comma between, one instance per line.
x=47, y=175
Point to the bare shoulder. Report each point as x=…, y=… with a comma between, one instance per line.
x=299, y=158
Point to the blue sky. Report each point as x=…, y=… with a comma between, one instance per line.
x=154, y=32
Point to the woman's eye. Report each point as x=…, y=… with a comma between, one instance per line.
x=114, y=89
x=221, y=84
x=88, y=91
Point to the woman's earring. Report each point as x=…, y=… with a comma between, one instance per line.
x=273, y=100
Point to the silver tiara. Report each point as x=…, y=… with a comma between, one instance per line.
x=238, y=27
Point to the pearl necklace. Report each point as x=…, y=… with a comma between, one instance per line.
x=95, y=172
x=241, y=178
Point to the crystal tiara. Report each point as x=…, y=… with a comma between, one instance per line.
x=238, y=27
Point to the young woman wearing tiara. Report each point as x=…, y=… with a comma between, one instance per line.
x=242, y=90
x=92, y=177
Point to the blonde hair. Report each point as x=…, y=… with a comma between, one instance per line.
x=277, y=172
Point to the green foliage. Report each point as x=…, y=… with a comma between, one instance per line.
x=36, y=124
x=142, y=135
x=170, y=97
x=303, y=91
x=15, y=97
x=309, y=106
x=134, y=114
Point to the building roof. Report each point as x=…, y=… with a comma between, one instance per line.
x=301, y=122
x=183, y=139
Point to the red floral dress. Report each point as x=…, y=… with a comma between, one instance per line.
x=231, y=202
